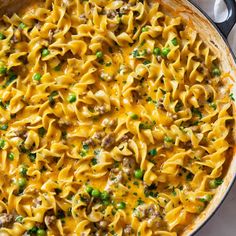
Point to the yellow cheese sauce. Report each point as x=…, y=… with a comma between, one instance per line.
x=111, y=120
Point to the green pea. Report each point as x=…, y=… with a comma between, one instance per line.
x=214, y=183
x=89, y=189
x=138, y=174
x=206, y=198
x=2, y=143
x=83, y=153
x=96, y=193
x=143, y=52
x=153, y=152
x=146, y=62
x=105, y=195
x=145, y=126
x=22, y=25
x=3, y=70
x=11, y=156
x=105, y=202
x=213, y=105
x=21, y=182
x=45, y=52
x=157, y=51
x=134, y=116
x=168, y=139
x=200, y=208
x=216, y=72
x=121, y=205
x=33, y=230
x=174, y=41
x=99, y=54
x=2, y=36
x=37, y=76
x=23, y=170
x=135, y=53
x=165, y=52
x=4, y=127
x=11, y=77
x=32, y=156
x=108, y=63
x=94, y=161
x=42, y=131
x=189, y=176
x=19, y=219
x=41, y=232
x=145, y=29
x=57, y=68
x=57, y=190
x=71, y=98
x=85, y=146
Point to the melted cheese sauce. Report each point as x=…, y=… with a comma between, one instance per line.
x=112, y=122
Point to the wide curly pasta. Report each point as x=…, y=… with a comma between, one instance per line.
x=115, y=120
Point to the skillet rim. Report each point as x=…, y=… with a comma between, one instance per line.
x=233, y=181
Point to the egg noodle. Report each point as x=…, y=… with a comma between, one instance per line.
x=115, y=120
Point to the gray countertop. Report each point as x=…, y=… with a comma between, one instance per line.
x=223, y=223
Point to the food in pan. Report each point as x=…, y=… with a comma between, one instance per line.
x=115, y=120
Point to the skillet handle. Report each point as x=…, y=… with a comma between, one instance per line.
x=226, y=26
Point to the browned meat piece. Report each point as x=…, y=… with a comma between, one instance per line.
x=159, y=59
x=124, y=9
x=148, y=213
x=111, y=13
x=64, y=123
x=109, y=123
x=180, y=27
x=95, y=139
x=127, y=230
x=102, y=224
x=106, y=77
x=20, y=132
x=108, y=141
x=172, y=116
x=16, y=37
x=160, y=105
x=126, y=137
x=89, y=142
x=128, y=165
x=115, y=171
x=113, y=122
x=98, y=136
x=203, y=69
x=38, y=25
x=118, y=178
x=36, y=202
x=50, y=36
x=136, y=95
x=187, y=144
x=115, y=178
x=49, y=221
x=194, y=128
x=6, y=219
x=100, y=109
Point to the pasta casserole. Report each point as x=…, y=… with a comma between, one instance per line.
x=115, y=119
